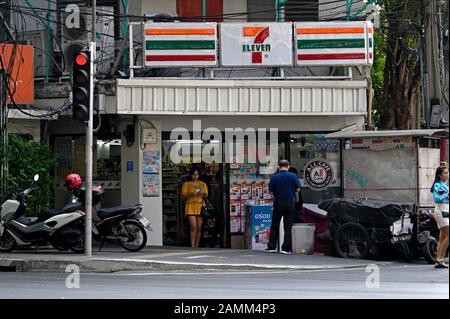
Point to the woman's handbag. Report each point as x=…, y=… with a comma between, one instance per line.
x=208, y=204
x=206, y=208
x=443, y=208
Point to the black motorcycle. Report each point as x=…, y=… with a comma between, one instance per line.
x=122, y=225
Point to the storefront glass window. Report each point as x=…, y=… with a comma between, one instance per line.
x=307, y=147
x=71, y=157
x=108, y=160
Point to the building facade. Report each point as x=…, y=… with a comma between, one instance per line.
x=138, y=115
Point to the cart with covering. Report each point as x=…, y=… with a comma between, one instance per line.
x=369, y=227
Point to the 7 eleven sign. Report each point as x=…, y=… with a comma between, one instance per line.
x=256, y=44
x=260, y=34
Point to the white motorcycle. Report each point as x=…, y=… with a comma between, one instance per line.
x=56, y=227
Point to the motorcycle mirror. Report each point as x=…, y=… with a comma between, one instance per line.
x=36, y=177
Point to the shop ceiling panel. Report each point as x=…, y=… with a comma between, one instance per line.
x=149, y=96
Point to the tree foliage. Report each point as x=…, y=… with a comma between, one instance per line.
x=25, y=159
x=397, y=91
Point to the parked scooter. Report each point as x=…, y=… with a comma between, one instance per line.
x=58, y=227
x=122, y=225
x=428, y=235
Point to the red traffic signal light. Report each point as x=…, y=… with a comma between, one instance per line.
x=81, y=86
x=81, y=59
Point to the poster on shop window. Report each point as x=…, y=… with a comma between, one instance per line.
x=150, y=185
x=151, y=162
x=151, y=168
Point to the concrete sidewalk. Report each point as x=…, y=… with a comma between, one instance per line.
x=172, y=258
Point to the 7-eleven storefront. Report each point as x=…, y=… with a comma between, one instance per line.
x=149, y=175
x=301, y=109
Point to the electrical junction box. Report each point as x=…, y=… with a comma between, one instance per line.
x=436, y=113
x=148, y=136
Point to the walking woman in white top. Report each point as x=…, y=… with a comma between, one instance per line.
x=440, y=196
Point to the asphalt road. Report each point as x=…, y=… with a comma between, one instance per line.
x=396, y=281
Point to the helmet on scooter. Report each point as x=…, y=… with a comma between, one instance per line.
x=72, y=181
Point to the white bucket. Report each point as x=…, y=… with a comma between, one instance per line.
x=303, y=238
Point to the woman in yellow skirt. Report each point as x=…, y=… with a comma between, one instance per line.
x=194, y=192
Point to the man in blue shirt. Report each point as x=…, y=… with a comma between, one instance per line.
x=284, y=186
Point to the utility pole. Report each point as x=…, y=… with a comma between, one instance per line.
x=424, y=60
x=433, y=62
x=89, y=140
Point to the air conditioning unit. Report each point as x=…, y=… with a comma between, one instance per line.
x=38, y=39
x=74, y=39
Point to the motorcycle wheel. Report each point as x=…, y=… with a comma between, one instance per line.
x=352, y=241
x=7, y=242
x=78, y=244
x=429, y=250
x=137, y=237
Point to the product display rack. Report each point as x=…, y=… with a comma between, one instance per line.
x=172, y=217
x=247, y=186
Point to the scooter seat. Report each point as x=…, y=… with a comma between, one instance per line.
x=115, y=211
x=26, y=221
x=69, y=208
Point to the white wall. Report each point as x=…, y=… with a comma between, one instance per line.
x=132, y=183
x=23, y=126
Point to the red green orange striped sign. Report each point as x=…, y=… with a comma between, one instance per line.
x=333, y=43
x=181, y=44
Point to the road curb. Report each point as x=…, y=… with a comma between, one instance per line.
x=96, y=265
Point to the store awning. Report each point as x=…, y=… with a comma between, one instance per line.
x=430, y=133
x=149, y=96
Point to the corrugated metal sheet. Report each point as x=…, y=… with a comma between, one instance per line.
x=228, y=97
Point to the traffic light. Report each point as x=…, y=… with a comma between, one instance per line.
x=81, y=86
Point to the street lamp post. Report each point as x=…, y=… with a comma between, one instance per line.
x=89, y=140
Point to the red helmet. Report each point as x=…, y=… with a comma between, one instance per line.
x=72, y=181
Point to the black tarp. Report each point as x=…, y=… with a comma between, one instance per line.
x=371, y=211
